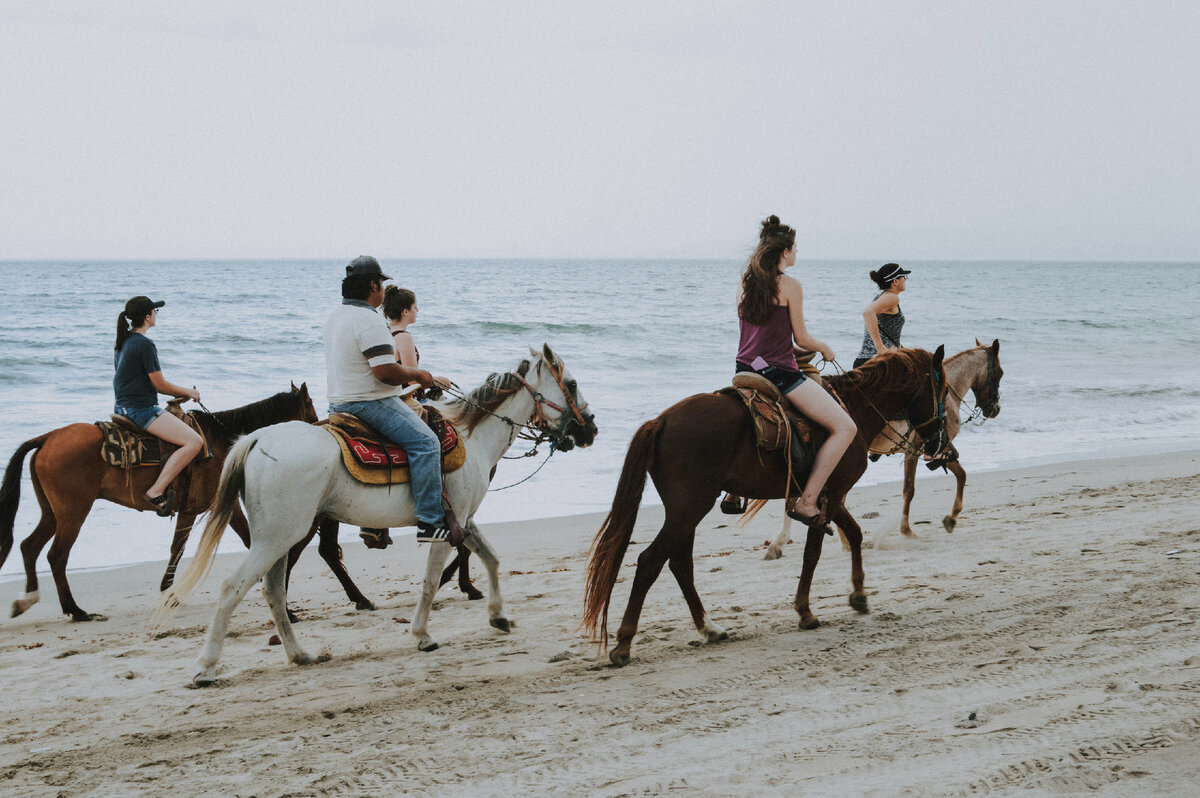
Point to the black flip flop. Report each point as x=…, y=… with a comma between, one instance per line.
x=810, y=521
x=733, y=507
x=164, y=505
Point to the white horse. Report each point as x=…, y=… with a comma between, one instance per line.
x=288, y=474
x=977, y=370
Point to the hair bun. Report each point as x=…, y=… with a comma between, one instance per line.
x=770, y=226
x=875, y=276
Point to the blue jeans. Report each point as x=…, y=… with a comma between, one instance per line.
x=398, y=423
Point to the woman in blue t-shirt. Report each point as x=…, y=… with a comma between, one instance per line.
x=137, y=383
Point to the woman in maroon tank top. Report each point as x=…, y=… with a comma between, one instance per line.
x=771, y=317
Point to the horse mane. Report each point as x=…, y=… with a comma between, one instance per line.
x=226, y=425
x=893, y=370
x=466, y=413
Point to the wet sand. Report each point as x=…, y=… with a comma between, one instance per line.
x=1049, y=645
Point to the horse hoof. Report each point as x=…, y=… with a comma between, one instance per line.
x=773, y=554
x=716, y=637
x=364, y=605
x=474, y=595
x=84, y=617
x=501, y=623
x=859, y=604
x=204, y=679
x=949, y=523
x=618, y=659
x=427, y=645
x=18, y=608
x=811, y=622
x=292, y=617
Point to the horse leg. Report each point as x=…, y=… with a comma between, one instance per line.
x=69, y=524
x=460, y=565
x=31, y=547
x=951, y=521
x=680, y=563
x=275, y=592
x=775, y=550
x=852, y=534
x=812, y=554
x=491, y=564
x=331, y=552
x=292, y=556
x=233, y=590
x=649, y=565
x=910, y=489
x=439, y=552
x=183, y=528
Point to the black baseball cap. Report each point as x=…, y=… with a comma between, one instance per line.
x=140, y=306
x=366, y=265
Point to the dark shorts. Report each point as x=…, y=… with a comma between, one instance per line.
x=142, y=416
x=786, y=380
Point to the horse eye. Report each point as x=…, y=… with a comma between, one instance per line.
x=571, y=385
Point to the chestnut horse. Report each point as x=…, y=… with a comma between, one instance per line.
x=69, y=475
x=706, y=444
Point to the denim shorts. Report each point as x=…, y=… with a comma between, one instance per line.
x=785, y=380
x=142, y=416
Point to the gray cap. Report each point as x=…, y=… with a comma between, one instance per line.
x=365, y=264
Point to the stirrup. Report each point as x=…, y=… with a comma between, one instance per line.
x=164, y=505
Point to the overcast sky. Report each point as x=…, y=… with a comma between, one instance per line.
x=889, y=130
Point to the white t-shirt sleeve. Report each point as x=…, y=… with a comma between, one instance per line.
x=374, y=341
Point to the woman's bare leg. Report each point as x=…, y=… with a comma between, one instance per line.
x=813, y=401
x=173, y=430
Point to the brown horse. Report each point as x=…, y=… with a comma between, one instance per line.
x=69, y=475
x=706, y=444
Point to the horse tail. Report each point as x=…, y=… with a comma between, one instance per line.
x=10, y=492
x=608, y=549
x=224, y=503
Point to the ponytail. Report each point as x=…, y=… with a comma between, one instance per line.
x=123, y=331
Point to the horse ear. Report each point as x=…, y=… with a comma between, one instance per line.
x=978, y=342
x=547, y=353
x=938, y=354
x=533, y=352
x=996, y=347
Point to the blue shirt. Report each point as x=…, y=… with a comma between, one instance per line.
x=134, y=362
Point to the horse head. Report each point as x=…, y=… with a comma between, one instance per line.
x=929, y=403
x=308, y=412
x=561, y=410
x=987, y=384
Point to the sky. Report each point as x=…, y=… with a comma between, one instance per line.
x=899, y=130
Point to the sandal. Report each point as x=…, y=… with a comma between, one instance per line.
x=815, y=521
x=164, y=505
x=375, y=538
x=734, y=505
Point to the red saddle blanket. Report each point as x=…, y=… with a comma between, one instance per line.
x=370, y=460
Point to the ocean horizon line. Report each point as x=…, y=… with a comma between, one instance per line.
x=597, y=259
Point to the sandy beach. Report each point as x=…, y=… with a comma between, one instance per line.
x=1049, y=646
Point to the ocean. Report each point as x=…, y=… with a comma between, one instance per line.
x=1096, y=355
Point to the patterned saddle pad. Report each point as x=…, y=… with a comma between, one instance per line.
x=373, y=462
x=125, y=445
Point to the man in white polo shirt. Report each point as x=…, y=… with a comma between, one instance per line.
x=364, y=379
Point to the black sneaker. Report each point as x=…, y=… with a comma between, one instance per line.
x=428, y=533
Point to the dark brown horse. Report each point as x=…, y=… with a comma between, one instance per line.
x=705, y=444
x=69, y=475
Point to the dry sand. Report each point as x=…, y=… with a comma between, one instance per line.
x=1049, y=646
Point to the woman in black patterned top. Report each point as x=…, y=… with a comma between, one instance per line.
x=883, y=320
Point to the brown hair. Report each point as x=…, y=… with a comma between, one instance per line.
x=396, y=301
x=760, y=282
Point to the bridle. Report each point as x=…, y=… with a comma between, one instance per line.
x=991, y=386
x=904, y=442
x=537, y=429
